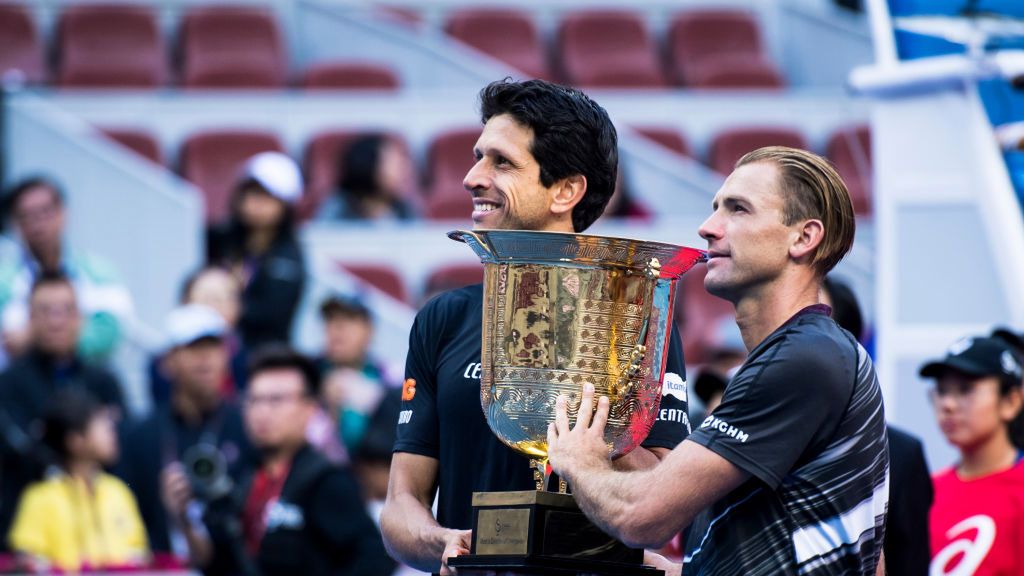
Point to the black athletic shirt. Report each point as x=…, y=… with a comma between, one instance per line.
x=444, y=419
x=804, y=417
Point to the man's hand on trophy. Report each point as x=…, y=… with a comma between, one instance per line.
x=456, y=544
x=572, y=450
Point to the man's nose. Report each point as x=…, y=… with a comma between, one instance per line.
x=476, y=178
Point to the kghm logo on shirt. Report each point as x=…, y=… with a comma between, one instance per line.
x=725, y=428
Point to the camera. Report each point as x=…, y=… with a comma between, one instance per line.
x=207, y=472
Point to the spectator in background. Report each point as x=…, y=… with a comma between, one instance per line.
x=81, y=518
x=259, y=245
x=978, y=515
x=622, y=204
x=220, y=291
x=299, y=514
x=36, y=208
x=376, y=176
x=354, y=383
x=910, y=487
x=50, y=363
x=198, y=413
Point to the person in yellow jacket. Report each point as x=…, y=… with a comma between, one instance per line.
x=80, y=518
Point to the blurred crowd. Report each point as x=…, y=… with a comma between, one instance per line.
x=253, y=458
x=256, y=459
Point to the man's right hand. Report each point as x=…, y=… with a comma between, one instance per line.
x=175, y=491
x=457, y=544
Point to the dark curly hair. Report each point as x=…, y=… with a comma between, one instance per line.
x=572, y=135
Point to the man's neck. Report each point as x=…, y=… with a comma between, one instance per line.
x=276, y=461
x=48, y=258
x=259, y=241
x=190, y=409
x=768, y=307
x=993, y=455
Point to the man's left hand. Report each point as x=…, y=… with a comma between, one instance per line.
x=572, y=450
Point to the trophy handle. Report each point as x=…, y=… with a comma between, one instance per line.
x=636, y=356
x=475, y=241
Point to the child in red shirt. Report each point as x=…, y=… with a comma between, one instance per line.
x=977, y=520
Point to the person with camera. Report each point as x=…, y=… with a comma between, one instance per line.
x=198, y=423
x=294, y=512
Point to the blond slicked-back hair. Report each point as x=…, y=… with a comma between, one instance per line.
x=812, y=190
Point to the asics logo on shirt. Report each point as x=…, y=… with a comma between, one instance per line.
x=472, y=371
x=971, y=552
x=725, y=428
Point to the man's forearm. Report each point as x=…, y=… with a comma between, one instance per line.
x=640, y=459
x=614, y=501
x=412, y=534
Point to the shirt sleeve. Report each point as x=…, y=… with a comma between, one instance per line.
x=672, y=424
x=780, y=403
x=418, y=425
x=29, y=534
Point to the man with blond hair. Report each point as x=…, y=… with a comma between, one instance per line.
x=792, y=467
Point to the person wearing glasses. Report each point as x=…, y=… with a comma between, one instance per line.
x=977, y=520
x=297, y=513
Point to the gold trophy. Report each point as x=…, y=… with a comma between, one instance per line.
x=561, y=310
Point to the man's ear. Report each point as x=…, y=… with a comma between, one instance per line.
x=809, y=235
x=567, y=193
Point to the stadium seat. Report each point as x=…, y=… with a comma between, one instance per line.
x=137, y=140
x=20, y=47
x=110, y=45
x=322, y=164
x=350, y=76
x=449, y=158
x=667, y=137
x=697, y=313
x=730, y=71
x=451, y=277
x=231, y=47
x=381, y=276
x=450, y=207
x=850, y=150
x=730, y=145
x=703, y=43
x=211, y=161
x=608, y=49
x=506, y=34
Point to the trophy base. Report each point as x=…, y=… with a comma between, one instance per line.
x=471, y=565
x=532, y=524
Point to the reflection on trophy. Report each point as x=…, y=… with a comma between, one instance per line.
x=561, y=310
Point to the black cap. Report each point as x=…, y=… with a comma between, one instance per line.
x=1010, y=337
x=346, y=305
x=979, y=356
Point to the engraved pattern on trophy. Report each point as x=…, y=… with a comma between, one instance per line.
x=561, y=310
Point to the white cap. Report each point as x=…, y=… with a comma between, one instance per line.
x=277, y=173
x=191, y=322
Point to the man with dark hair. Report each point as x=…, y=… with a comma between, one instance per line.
x=546, y=160
x=36, y=209
x=50, y=363
x=794, y=462
x=299, y=514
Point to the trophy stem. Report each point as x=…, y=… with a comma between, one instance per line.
x=540, y=472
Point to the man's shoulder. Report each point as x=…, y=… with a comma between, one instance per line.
x=452, y=304
x=814, y=339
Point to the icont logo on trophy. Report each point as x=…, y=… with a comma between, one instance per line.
x=561, y=310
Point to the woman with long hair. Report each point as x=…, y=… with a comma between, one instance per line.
x=375, y=177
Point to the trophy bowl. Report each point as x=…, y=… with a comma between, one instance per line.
x=561, y=310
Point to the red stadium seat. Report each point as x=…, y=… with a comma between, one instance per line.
x=211, y=161
x=850, y=150
x=449, y=158
x=608, y=49
x=452, y=276
x=730, y=145
x=322, y=163
x=232, y=47
x=20, y=47
x=450, y=207
x=731, y=71
x=137, y=140
x=380, y=276
x=667, y=137
x=110, y=45
x=506, y=34
x=697, y=313
x=696, y=38
x=350, y=76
